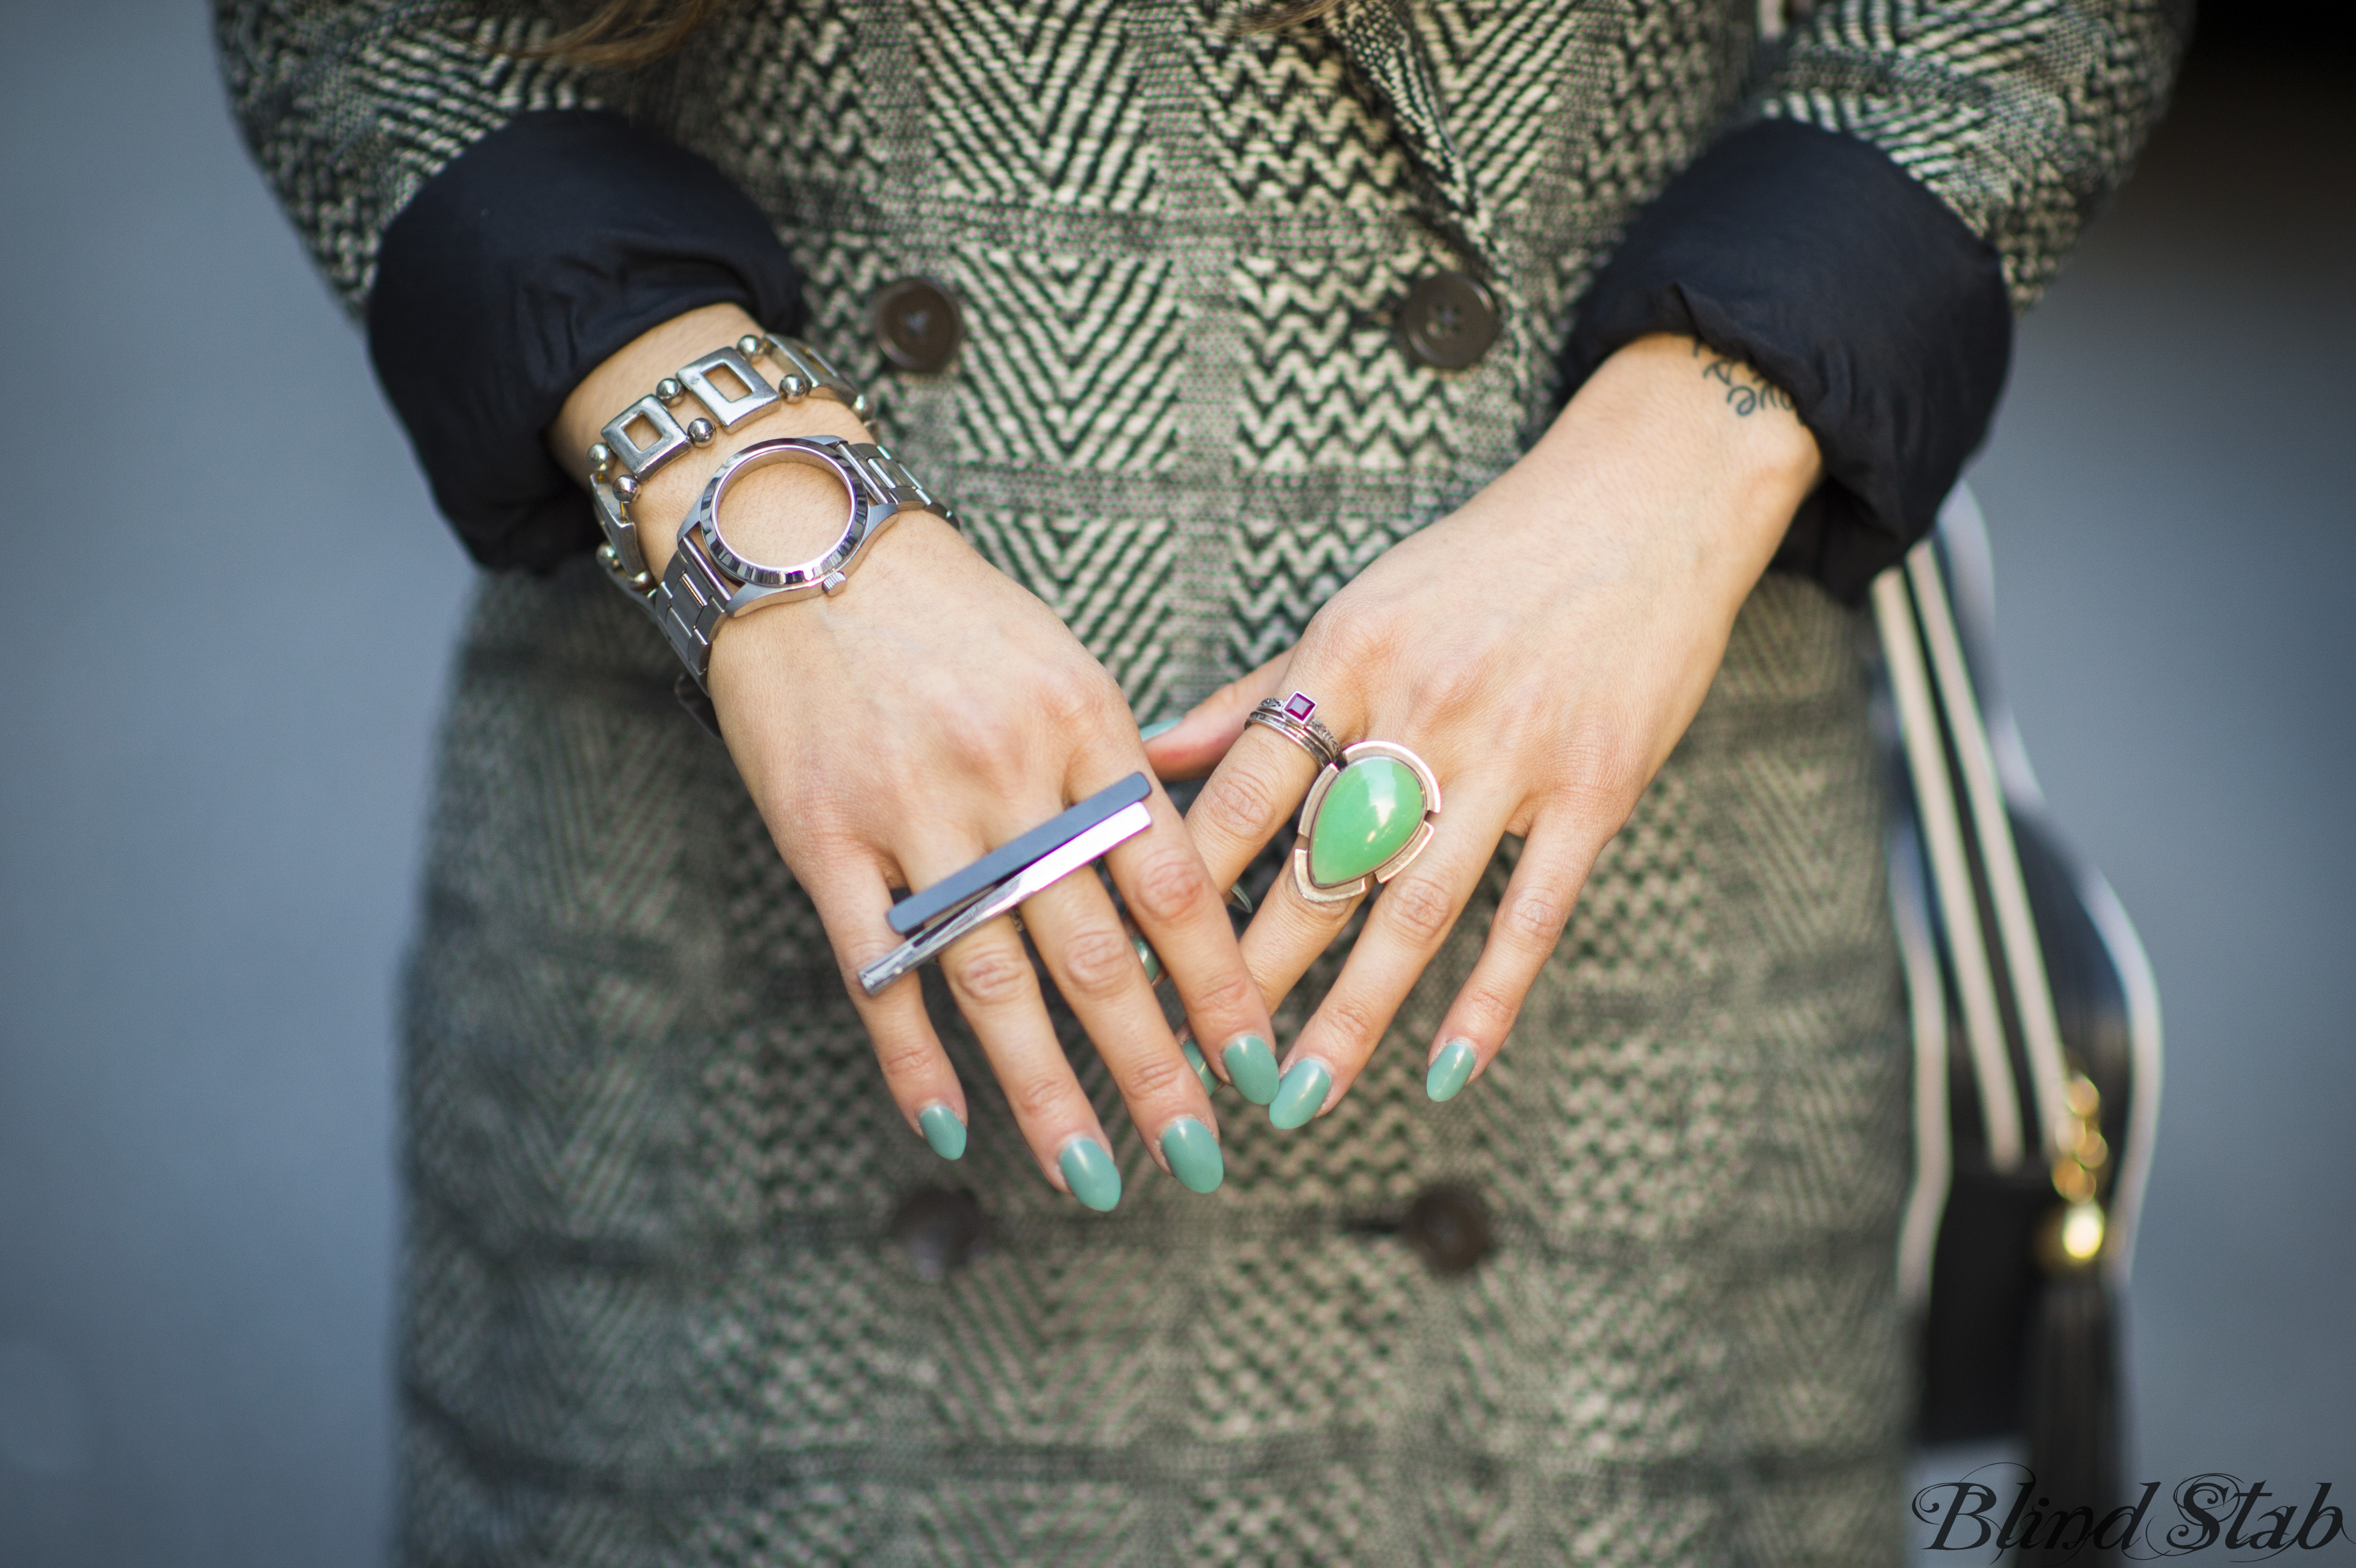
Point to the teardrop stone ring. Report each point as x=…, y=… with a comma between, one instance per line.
x=1367, y=816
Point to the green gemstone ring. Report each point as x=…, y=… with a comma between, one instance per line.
x=1367, y=817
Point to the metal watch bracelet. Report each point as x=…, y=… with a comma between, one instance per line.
x=649, y=434
x=708, y=581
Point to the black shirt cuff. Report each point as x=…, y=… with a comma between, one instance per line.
x=1844, y=280
x=524, y=264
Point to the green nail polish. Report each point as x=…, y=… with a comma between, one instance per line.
x=1159, y=727
x=1193, y=1155
x=1195, y=1059
x=1298, y=1097
x=1450, y=1070
x=1150, y=958
x=942, y=1130
x=1089, y=1172
x=1252, y=1068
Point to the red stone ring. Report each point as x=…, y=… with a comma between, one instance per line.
x=1369, y=815
x=1296, y=720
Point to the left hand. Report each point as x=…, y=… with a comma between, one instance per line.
x=1542, y=649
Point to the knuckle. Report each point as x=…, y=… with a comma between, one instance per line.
x=1097, y=962
x=1169, y=885
x=993, y=978
x=904, y=1057
x=1228, y=995
x=856, y=953
x=983, y=742
x=821, y=830
x=1157, y=1077
x=1037, y=1100
x=1352, y=1023
x=1238, y=693
x=1071, y=701
x=1488, y=1011
x=1602, y=813
x=1453, y=684
x=1417, y=909
x=1240, y=803
x=1351, y=642
x=1535, y=916
x=1600, y=778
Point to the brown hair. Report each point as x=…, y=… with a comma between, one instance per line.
x=624, y=32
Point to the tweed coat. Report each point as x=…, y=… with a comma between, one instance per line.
x=654, y=1307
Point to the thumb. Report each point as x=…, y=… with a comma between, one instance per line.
x=1192, y=749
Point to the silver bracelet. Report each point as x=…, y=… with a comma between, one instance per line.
x=645, y=437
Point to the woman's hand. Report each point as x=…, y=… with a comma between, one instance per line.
x=897, y=731
x=1543, y=649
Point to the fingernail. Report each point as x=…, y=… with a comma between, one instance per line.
x=1298, y=1097
x=942, y=1130
x=1252, y=1068
x=1193, y=1155
x=1195, y=1059
x=1238, y=897
x=1450, y=1070
x=1159, y=727
x=1150, y=958
x=1089, y=1172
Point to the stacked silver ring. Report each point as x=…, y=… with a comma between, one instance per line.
x=1295, y=718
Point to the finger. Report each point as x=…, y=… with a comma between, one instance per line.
x=1260, y=784
x=1411, y=918
x=917, y=1070
x=1078, y=936
x=992, y=979
x=1523, y=936
x=1179, y=906
x=1193, y=746
x=1283, y=940
x=1288, y=934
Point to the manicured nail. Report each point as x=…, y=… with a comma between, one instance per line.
x=1091, y=1173
x=1450, y=1070
x=1298, y=1097
x=1195, y=1059
x=1252, y=1068
x=1159, y=727
x=1238, y=898
x=1193, y=1155
x=1150, y=958
x=942, y=1130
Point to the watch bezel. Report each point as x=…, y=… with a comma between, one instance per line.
x=816, y=451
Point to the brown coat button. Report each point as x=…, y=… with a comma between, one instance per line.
x=940, y=1231
x=1449, y=1228
x=916, y=324
x=1449, y=321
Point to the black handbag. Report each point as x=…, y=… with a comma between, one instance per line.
x=2037, y=1053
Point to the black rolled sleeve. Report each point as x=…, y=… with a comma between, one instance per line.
x=523, y=264
x=1850, y=284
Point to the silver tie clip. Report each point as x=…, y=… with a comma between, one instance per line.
x=1005, y=877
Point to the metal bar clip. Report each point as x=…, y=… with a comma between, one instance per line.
x=1006, y=876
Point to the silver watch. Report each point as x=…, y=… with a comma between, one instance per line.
x=708, y=581
x=649, y=434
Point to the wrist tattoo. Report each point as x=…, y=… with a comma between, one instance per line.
x=1747, y=392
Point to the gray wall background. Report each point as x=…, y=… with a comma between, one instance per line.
x=232, y=605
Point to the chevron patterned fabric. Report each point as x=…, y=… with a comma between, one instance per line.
x=653, y=1313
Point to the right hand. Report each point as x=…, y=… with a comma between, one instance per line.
x=898, y=730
